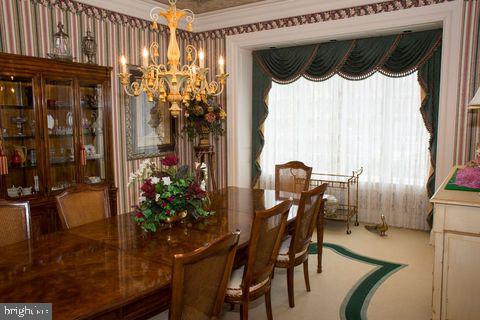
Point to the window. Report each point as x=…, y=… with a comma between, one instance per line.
x=339, y=125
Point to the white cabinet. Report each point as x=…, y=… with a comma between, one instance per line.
x=456, y=272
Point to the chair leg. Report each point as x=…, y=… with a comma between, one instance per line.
x=291, y=300
x=244, y=311
x=268, y=305
x=305, y=274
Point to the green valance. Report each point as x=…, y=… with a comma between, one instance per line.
x=393, y=55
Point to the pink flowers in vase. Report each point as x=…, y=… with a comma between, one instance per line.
x=470, y=175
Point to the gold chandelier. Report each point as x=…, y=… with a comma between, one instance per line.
x=173, y=82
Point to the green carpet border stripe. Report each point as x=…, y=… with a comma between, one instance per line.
x=355, y=303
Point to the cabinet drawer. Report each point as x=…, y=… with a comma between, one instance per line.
x=462, y=219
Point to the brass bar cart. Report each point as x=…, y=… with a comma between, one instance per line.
x=348, y=207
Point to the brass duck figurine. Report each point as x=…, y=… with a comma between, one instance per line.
x=381, y=227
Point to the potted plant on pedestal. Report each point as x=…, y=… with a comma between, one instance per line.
x=204, y=116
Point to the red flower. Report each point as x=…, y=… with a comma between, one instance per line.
x=170, y=160
x=167, y=212
x=210, y=117
x=194, y=190
x=139, y=215
x=148, y=189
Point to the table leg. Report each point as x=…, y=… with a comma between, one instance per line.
x=320, y=226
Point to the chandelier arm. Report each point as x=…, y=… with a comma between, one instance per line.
x=151, y=90
x=189, y=15
x=155, y=16
x=154, y=49
x=213, y=88
x=161, y=69
x=126, y=89
x=193, y=51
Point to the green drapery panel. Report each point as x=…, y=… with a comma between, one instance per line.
x=261, y=83
x=394, y=56
x=429, y=78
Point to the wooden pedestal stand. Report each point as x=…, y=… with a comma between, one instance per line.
x=205, y=154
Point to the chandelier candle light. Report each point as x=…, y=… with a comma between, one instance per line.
x=173, y=82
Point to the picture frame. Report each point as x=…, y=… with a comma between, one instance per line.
x=150, y=129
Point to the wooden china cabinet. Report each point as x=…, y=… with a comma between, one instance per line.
x=55, y=129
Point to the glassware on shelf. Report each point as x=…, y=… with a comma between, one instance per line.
x=36, y=186
x=17, y=123
x=60, y=139
x=92, y=137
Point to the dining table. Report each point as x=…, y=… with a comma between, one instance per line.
x=111, y=269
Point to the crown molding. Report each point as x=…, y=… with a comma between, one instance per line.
x=245, y=14
x=268, y=10
x=135, y=8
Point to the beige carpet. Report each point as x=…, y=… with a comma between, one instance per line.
x=406, y=294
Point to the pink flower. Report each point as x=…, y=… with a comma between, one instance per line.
x=170, y=160
x=210, y=117
x=139, y=215
x=468, y=177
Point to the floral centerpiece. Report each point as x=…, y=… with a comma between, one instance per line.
x=470, y=175
x=204, y=116
x=168, y=193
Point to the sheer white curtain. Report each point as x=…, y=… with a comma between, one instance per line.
x=338, y=125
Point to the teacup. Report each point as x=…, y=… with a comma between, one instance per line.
x=27, y=191
x=13, y=192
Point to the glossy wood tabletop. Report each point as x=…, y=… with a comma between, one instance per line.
x=110, y=268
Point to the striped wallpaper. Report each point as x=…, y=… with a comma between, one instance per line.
x=27, y=27
x=468, y=122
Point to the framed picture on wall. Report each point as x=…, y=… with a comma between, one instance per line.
x=150, y=128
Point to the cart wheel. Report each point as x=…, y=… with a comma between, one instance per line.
x=349, y=231
x=357, y=224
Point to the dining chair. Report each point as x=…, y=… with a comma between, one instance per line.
x=253, y=280
x=294, y=248
x=14, y=222
x=200, y=278
x=293, y=176
x=83, y=203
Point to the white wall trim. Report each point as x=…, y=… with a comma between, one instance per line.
x=239, y=91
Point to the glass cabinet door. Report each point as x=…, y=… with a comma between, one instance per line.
x=92, y=132
x=18, y=131
x=60, y=127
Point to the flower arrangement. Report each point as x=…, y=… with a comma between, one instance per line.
x=470, y=175
x=204, y=116
x=167, y=193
